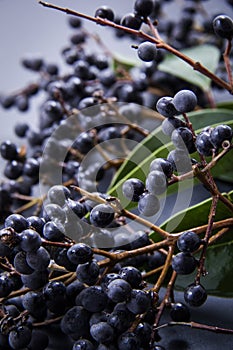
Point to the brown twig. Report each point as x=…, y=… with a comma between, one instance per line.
x=197, y=326
x=226, y=57
x=160, y=43
x=209, y=230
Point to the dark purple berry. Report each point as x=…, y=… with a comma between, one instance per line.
x=189, y=241
x=185, y=101
x=195, y=295
x=223, y=26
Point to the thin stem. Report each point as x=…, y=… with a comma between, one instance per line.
x=226, y=57
x=197, y=326
x=163, y=274
x=209, y=230
x=123, y=212
x=160, y=43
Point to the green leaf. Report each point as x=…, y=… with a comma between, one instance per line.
x=196, y=215
x=219, y=256
x=157, y=145
x=218, y=264
x=120, y=61
x=225, y=105
x=207, y=55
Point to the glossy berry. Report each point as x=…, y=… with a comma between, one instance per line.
x=223, y=26
x=79, y=253
x=195, y=295
x=148, y=204
x=132, y=275
x=183, y=138
x=105, y=12
x=219, y=134
x=147, y=51
x=83, y=344
x=13, y=170
x=132, y=21
x=132, y=189
x=163, y=165
x=184, y=263
x=17, y=222
x=143, y=7
x=185, y=101
x=101, y=215
x=180, y=313
x=165, y=106
x=203, y=144
x=189, y=241
x=30, y=240
x=8, y=150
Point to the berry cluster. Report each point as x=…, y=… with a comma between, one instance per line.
x=64, y=264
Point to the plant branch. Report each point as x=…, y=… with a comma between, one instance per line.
x=209, y=230
x=160, y=43
x=197, y=326
x=226, y=57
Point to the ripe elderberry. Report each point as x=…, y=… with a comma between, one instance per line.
x=223, y=26
x=195, y=295
x=147, y=51
x=185, y=101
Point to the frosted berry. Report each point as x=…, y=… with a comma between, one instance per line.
x=147, y=51
x=148, y=204
x=185, y=101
